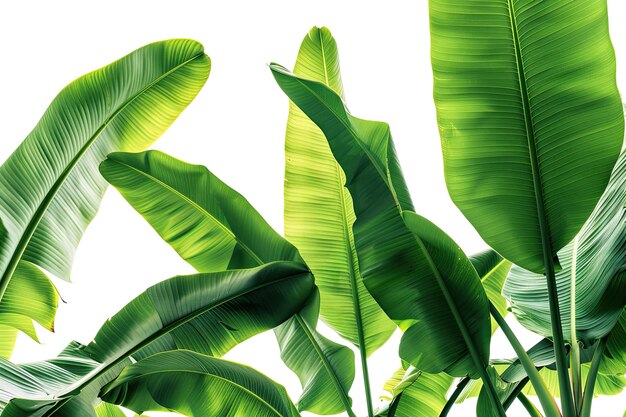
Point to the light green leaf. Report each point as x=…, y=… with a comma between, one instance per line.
x=213, y=227
x=209, y=313
x=418, y=394
x=319, y=213
x=8, y=336
x=407, y=274
x=196, y=385
x=109, y=410
x=529, y=133
x=30, y=296
x=593, y=274
x=50, y=188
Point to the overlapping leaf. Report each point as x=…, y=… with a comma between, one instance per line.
x=593, y=278
x=213, y=228
x=319, y=213
x=419, y=280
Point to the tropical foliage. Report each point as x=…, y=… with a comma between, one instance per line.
x=532, y=143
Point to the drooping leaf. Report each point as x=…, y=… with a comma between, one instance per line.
x=492, y=270
x=209, y=313
x=593, y=274
x=319, y=213
x=196, y=385
x=529, y=133
x=408, y=274
x=30, y=296
x=213, y=227
x=50, y=188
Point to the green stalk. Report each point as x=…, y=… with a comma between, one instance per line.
x=455, y=395
x=366, y=382
x=529, y=406
x=567, y=400
x=575, y=367
x=591, y=378
x=544, y=395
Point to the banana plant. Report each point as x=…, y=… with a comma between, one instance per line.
x=50, y=187
x=530, y=140
x=531, y=126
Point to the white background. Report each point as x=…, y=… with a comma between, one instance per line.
x=236, y=128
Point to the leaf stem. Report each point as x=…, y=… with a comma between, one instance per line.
x=544, y=395
x=591, y=378
x=455, y=395
x=565, y=388
x=529, y=406
x=366, y=382
x=575, y=368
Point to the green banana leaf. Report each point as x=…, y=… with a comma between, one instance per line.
x=319, y=213
x=529, y=115
x=209, y=313
x=50, y=188
x=492, y=270
x=415, y=394
x=213, y=227
x=422, y=281
x=592, y=283
x=196, y=385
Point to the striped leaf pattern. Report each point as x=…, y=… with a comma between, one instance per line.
x=529, y=115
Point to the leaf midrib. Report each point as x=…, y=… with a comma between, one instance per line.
x=49, y=197
x=531, y=139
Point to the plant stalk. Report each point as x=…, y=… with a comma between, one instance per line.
x=366, y=382
x=529, y=406
x=545, y=397
x=565, y=388
x=591, y=378
x=575, y=367
x=455, y=395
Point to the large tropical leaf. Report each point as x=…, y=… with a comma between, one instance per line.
x=209, y=313
x=592, y=283
x=319, y=213
x=196, y=385
x=421, y=278
x=529, y=115
x=50, y=188
x=213, y=228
